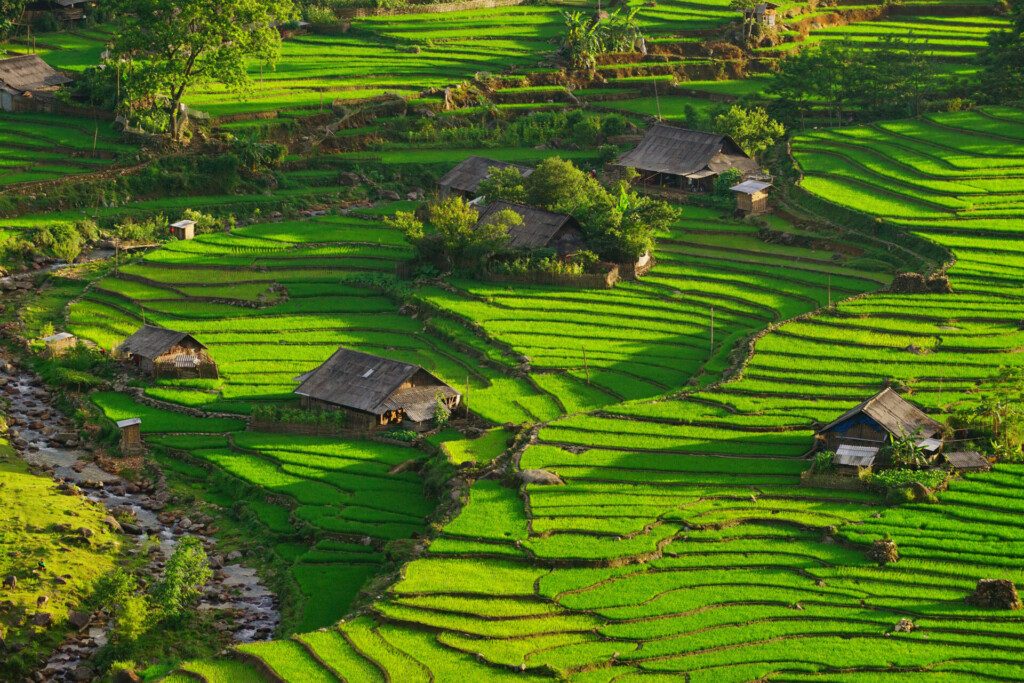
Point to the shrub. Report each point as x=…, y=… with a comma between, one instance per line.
x=824, y=461
x=186, y=573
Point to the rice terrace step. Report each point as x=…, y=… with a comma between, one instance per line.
x=401, y=340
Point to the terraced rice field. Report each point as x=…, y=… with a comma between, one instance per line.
x=37, y=147
x=681, y=544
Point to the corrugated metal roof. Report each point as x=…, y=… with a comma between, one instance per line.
x=60, y=336
x=151, y=342
x=684, y=152
x=121, y=424
x=751, y=186
x=29, y=72
x=538, y=229
x=855, y=456
x=183, y=224
x=469, y=173
x=967, y=460
x=895, y=414
x=372, y=384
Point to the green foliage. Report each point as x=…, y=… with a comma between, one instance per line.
x=902, y=477
x=752, y=129
x=186, y=573
x=10, y=13
x=455, y=240
x=504, y=184
x=725, y=180
x=275, y=413
x=257, y=156
x=173, y=46
x=905, y=453
x=587, y=37
x=824, y=461
x=1002, y=61
x=119, y=591
x=995, y=418
x=442, y=414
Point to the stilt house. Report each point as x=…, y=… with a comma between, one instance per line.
x=26, y=78
x=683, y=159
x=375, y=392
x=858, y=435
x=540, y=229
x=159, y=352
x=464, y=180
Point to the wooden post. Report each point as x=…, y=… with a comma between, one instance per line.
x=712, y=330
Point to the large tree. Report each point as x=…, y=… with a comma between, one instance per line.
x=171, y=46
x=1002, y=75
x=752, y=129
x=10, y=14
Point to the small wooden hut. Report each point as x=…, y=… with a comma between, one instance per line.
x=375, y=392
x=183, y=230
x=131, y=435
x=751, y=197
x=464, y=180
x=159, y=352
x=763, y=13
x=59, y=344
x=26, y=78
x=683, y=159
x=540, y=229
x=967, y=461
x=858, y=435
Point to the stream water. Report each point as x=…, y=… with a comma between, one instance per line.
x=48, y=442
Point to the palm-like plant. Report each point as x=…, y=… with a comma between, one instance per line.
x=583, y=41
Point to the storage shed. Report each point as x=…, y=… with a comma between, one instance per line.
x=183, y=230
x=967, y=461
x=684, y=159
x=374, y=391
x=873, y=422
x=540, y=229
x=751, y=197
x=160, y=352
x=131, y=435
x=464, y=180
x=59, y=344
x=25, y=78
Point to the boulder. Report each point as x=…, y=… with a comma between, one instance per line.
x=904, y=626
x=10, y=582
x=80, y=620
x=542, y=477
x=883, y=551
x=126, y=676
x=43, y=619
x=114, y=525
x=995, y=594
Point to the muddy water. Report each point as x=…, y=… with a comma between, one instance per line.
x=46, y=440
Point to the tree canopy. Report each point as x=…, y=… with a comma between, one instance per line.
x=1002, y=61
x=752, y=129
x=10, y=14
x=164, y=48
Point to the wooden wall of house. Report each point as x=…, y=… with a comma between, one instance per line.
x=858, y=434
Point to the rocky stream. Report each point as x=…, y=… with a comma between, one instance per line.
x=48, y=441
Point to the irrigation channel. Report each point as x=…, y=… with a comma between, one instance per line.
x=46, y=440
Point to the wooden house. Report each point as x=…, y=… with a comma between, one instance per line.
x=464, y=180
x=540, y=229
x=751, y=197
x=375, y=392
x=62, y=10
x=858, y=436
x=131, y=435
x=183, y=230
x=967, y=461
x=59, y=344
x=159, y=352
x=25, y=79
x=763, y=13
x=683, y=159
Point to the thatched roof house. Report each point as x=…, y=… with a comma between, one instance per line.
x=540, y=229
x=685, y=159
x=858, y=435
x=464, y=180
x=161, y=352
x=375, y=391
x=26, y=76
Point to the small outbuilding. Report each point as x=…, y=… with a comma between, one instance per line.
x=26, y=78
x=464, y=180
x=59, y=344
x=183, y=230
x=858, y=435
x=375, y=392
x=752, y=197
x=967, y=461
x=159, y=352
x=763, y=13
x=131, y=435
x=684, y=159
x=540, y=229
